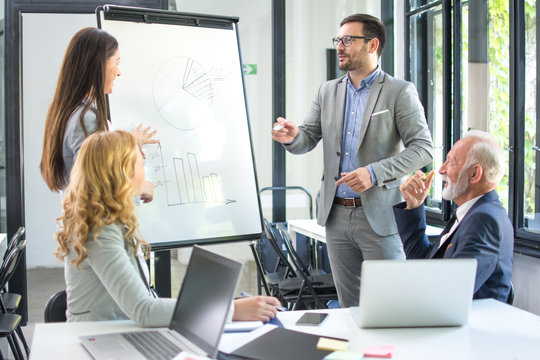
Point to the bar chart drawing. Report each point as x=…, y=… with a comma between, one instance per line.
x=183, y=182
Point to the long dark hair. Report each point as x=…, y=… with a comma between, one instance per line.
x=81, y=83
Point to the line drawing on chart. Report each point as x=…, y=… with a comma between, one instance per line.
x=183, y=92
x=186, y=185
x=197, y=82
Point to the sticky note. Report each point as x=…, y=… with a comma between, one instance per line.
x=332, y=344
x=343, y=355
x=386, y=351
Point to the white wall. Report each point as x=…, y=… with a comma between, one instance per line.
x=399, y=39
x=525, y=276
x=41, y=63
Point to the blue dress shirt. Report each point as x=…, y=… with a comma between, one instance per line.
x=354, y=111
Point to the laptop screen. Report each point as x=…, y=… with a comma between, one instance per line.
x=205, y=298
x=416, y=293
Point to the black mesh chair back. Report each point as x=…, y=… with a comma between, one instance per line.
x=11, y=259
x=316, y=286
x=15, y=240
x=10, y=262
x=510, y=299
x=282, y=258
x=295, y=258
x=55, y=309
x=298, y=287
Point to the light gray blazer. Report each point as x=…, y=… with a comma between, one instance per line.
x=74, y=136
x=109, y=285
x=394, y=139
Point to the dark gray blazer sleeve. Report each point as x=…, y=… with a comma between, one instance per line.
x=412, y=230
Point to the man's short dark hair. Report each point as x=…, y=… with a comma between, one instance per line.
x=373, y=28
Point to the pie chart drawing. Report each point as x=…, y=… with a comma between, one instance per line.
x=183, y=93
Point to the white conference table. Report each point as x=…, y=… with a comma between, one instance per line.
x=311, y=229
x=495, y=331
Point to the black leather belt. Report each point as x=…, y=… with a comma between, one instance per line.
x=350, y=202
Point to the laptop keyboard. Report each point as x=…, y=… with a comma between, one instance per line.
x=152, y=345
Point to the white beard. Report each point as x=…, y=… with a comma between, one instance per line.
x=451, y=190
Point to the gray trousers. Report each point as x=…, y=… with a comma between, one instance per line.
x=351, y=240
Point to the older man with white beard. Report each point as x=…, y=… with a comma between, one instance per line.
x=478, y=229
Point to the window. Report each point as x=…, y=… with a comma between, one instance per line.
x=474, y=65
x=3, y=225
x=531, y=197
x=485, y=65
x=426, y=72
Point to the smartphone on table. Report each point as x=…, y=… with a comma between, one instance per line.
x=312, y=319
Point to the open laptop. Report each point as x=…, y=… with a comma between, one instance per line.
x=415, y=293
x=197, y=322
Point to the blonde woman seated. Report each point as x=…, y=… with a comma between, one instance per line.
x=99, y=238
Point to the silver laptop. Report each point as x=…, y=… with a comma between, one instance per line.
x=197, y=322
x=415, y=293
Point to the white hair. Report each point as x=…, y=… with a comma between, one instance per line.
x=487, y=153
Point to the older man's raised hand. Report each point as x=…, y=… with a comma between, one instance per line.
x=416, y=188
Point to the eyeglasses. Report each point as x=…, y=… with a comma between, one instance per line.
x=348, y=39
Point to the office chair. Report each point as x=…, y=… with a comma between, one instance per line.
x=55, y=309
x=320, y=284
x=298, y=286
x=11, y=300
x=295, y=257
x=282, y=268
x=15, y=239
x=510, y=299
x=10, y=322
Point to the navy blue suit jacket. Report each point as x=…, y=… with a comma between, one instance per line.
x=485, y=234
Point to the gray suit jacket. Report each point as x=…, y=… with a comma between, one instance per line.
x=393, y=118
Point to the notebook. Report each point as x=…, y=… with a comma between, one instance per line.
x=281, y=343
x=197, y=323
x=415, y=293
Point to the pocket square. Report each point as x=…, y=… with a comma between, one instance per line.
x=380, y=112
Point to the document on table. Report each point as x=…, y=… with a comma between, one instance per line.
x=188, y=356
x=242, y=326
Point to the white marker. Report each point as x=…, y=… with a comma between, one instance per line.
x=278, y=127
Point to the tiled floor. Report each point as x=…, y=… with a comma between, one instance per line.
x=43, y=282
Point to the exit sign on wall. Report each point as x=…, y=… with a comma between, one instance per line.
x=250, y=69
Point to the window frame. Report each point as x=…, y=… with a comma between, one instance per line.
x=435, y=218
x=527, y=241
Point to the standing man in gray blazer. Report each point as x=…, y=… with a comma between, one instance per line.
x=374, y=133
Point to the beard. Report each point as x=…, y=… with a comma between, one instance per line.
x=345, y=65
x=351, y=62
x=453, y=190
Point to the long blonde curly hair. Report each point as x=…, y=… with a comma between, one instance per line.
x=100, y=192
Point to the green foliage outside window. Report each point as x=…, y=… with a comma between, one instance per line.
x=530, y=108
x=499, y=80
